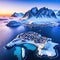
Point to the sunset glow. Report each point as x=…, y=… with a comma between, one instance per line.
x=8, y=7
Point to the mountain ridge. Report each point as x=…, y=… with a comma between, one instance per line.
x=35, y=12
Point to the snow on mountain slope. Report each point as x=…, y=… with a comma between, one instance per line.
x=17, y=14
x=58, y=13
x=42, y=12
x=39, y=20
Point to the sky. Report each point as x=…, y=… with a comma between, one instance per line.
x=8, y=7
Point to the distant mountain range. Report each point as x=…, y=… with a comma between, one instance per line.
x=43, y=12
x=15, y=14
x=34, y=12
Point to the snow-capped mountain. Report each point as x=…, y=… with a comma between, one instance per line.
x=38, y=16
x=32, y=12
x=46, y=12
x=42, y=12
x=17, y=14
x=58, y=13
x=55, y=11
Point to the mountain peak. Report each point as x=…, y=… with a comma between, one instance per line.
x=34, y=10
x=42, y=12
x=15, y=14
x=45, y=12
x=31, y=12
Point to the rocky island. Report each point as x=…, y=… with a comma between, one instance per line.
x=43, y=45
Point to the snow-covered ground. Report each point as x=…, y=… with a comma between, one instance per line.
x=46, y=48
x=43, y=21
x=50, y=51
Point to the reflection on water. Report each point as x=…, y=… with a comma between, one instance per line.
x=7, y=34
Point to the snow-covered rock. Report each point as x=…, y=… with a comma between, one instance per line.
x=17, y=14
x=48, y=49
x=13, y=24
